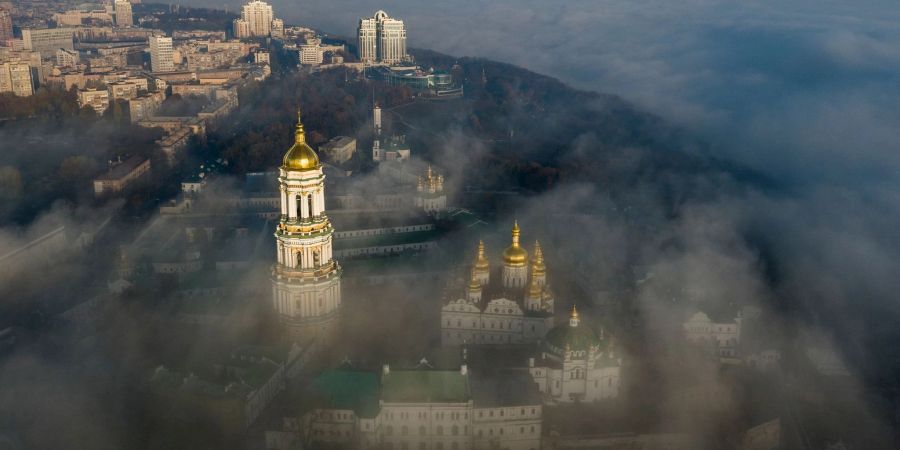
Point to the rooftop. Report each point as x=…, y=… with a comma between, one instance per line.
x=124, y=168
x=425, y=386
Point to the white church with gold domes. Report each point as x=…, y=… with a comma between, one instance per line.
x=508, y=304
x=306, y=280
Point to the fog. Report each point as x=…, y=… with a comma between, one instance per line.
x=803, y=92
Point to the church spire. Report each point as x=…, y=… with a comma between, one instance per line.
x=299, y=133
x=573, y=318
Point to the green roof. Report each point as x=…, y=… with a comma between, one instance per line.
x=578, y=338
x=421, y=386
x=355, y=390
x=386, y=239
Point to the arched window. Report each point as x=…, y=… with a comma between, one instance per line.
x=310, y=199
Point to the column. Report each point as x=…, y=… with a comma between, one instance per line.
x=292, y=205
x=284, y=204
x=304, y=207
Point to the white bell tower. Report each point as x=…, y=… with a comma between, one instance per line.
x=306, y=280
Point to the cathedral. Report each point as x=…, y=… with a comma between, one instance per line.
x=509, y=304
x=306, y=280
x=576, y=364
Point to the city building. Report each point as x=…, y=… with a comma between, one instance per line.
x=576, y=364
x=430, y=194
x=76, y=17
x=311, y=53
x=124, y=16
x=145, y=106
x=15, y=77
x=722, y=337
x=306, y=280
x=257, y=20
x=511, y=304
x=418, y=408
x=339, y=149
x=161, y=54
x=121, y=175
x=96, y=99
x=66, y=58
x=6, y=26
x=47, y=41
x=393, y=148
x=381, y=39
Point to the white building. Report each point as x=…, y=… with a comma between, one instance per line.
x=723, y=337
x=124, y=16
x=311, y=53
x=512, y=305
x=257, y=20
x=96, y=99
x=422, y=408
x=576, y=365
x=15, y=77
x=381, y=39
x=306, y=279
x=48, y=40
x=161, y=59
x=66, y=58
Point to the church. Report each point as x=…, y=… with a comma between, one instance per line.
x=576, y=364
x=509, y=304
x=306, y=280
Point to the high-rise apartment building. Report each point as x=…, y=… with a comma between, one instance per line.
x=381, y=39
x=124, y=16
x=6, y=28
x=15, y=77
x=258, y=20
x=161, y=54
x=48, y=40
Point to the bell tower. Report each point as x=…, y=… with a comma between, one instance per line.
x=306, y=280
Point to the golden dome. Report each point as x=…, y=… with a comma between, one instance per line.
x=300, y=156
x=481, y=262
x=515, y=255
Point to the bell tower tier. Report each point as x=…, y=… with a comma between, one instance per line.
x=306, y=280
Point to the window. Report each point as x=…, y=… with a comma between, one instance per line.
x=422, y=430
x=455, y=430
x=440, y=429
x=404, y=431
x=390, y=429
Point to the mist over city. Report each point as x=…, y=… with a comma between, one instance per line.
x=405, y=225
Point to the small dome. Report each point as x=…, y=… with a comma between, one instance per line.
x=300, y=156
x=515, y=255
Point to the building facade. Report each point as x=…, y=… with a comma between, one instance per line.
x=124, y=16
x=381, y=39
x=98, y=100
x=257, y=20
x=306, y=280
x=576, y=364
x=161, y=58
x=511, y=305
x=723, y=337
x=15, y=77
x=6, y=26
x=422, y=408
x=47, y=41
